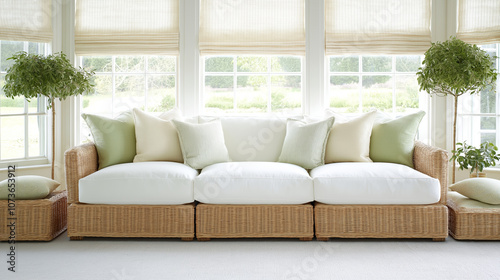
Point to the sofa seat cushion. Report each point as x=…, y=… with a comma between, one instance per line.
x=253, y=183
x=152, y=183
x=373, y=183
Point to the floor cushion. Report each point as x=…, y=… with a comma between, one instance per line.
x=151, y=183
x=373, y=183
x=253, y=183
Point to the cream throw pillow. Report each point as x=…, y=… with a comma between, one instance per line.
x=202, y=144
x=486, y=190
x=28, y=187
x=349, y=139
x=304, y=143
x=156, y=137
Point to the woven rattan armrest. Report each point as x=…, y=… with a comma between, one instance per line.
x=79, y=161
x=433, y=162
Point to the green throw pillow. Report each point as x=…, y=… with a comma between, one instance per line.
x=486, y=190
x=113, y=138
x=27, y=187
x=305, y=143
x=393, y=140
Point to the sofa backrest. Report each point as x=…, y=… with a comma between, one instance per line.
x=254, y=138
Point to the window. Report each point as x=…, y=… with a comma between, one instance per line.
x=386, y=83
x=478, y=115
x=125, y=82
x=23, y=124
x=252, y=84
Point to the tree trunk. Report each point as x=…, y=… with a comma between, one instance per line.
x=53, y=136
x=454, y=137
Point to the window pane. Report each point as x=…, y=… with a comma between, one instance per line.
x=344, y=63
x=11, y=105
x=490, y=137
x=251, y=94
x=488, y=123
x=286, y=94
x=251, y=64
x=468, y=128
x=377, y=63
x=8, y=49
x=219, y=93
x=407, y=93
x=98, y=64
x=219, y=64
x=407, y=63
x=130, y=64
x=344, y=93
x=129, y=93
x=161, y=93
x=162, y=64
x=35, y=126
x=377, y=93
x=285, y=64
x=12, y=137
x=101, y=101
x=488, y=101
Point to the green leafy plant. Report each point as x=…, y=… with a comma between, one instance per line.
x=455, y=68
x=476, y=158
x=52, y=76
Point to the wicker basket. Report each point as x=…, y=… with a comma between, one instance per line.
x=471, y=223
x=36, y=220
x=254, y=221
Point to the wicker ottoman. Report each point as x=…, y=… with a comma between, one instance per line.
x=36, y=220
x=473, y=220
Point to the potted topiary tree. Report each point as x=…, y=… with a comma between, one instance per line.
x=455, y=68
x=476, y=158
x=51, y=76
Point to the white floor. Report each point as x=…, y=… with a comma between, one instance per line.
x=134, y=259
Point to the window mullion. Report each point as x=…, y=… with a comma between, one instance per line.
x=269, y=91
x=235, y=82
x=360, y=82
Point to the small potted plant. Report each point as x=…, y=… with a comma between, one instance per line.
x=476, y=158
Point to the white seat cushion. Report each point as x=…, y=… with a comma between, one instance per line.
x=253, y=183
x=152, y=183
x=373, y=183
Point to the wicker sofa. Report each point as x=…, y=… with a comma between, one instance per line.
x=254, y=196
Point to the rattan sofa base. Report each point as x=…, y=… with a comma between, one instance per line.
x=36, y=220
x=254, y=221
x=473, y=223
x=381, y=221
x=149, y=221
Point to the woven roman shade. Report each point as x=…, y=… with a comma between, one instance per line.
x=252, y=27
x=26, y=20
x=377, y=26
x=127, y=27
x=479, y=21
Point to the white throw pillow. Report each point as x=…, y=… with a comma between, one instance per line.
x=304, y=143
x=156, y=137
x=202, y=144
x=349, y=139
x=486, y=190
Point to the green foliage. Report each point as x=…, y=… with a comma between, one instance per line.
x=454, y=67
x=477, y=158
x=52, y=76
x=167, y=103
